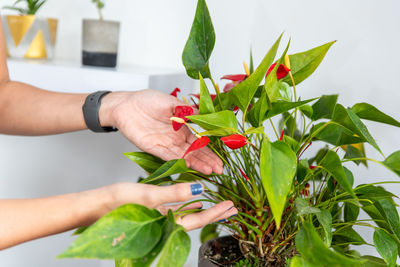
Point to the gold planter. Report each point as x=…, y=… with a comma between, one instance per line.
x=28, y=36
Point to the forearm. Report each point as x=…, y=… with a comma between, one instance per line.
x=27, y=219
x=27, y=110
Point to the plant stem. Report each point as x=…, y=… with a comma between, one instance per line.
x=100, y=13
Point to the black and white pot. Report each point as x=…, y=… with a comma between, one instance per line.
x=100, y=40
x=221, y=251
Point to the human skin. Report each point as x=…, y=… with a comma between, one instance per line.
x=142, y=117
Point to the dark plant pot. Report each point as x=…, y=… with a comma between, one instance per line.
x=221, y=251
x=100, y=43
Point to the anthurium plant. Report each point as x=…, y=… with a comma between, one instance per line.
x=32, y=6
x=293, y=210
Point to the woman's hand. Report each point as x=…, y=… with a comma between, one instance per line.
x=157, y=197
x=143, y=117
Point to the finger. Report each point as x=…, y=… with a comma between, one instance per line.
x=225, y=216
x=174, y=193
x=196, y=220
x=163, y=152
x=163, y=209
x=193, y=161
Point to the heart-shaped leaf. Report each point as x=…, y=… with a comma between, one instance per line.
x=200, y=43
x=128, y=232
x=278, y=164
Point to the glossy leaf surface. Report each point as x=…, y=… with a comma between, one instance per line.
x=278, y=164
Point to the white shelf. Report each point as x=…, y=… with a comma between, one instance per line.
x=72, y=77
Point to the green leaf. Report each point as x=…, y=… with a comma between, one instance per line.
x=393, y=162
x=348, y=119
x=128, y=232
x=124, y=263
x=368, y=112
x=335, y=134
x=251, y=67
x=307, y=110
x=208, y=232
x=313, y=249
x=386, y=247
x=171, y=167
x=148, y=162
x=374, y=213
x=257, y=112
x=176, y=249
x=285, y=91
x=372, y=192
x=213, y=121
x=243, y=93
x=200, y=43
x=304, y=64
x=253, y=130
x=324, y=107
x=223, y=101
x=325, y=219
x=303, y=208
x=291, y=142
x=300, y=262
x=388, y=211
x=349, y=175
x=332, y=164
x=164, y=246
x=278, y=164
x=351, y=211
x=272, y=85
x=220, y=132
x=280, y=107
x=206, y=104
x=352, y=152
x=347, y=235
x=371, y=261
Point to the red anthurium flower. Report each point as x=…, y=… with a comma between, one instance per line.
x=213, y=96
x=281, y=72
x=234, y=141
x=228, y=87
x=181, y=112
x=199, y=143
x=282, y=134
x=312, y=167
x=244, y=175
x=235, y=78
x=175, y=92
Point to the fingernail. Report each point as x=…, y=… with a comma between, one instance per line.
x=197, y=189
x=233, y=216
x=222, y=221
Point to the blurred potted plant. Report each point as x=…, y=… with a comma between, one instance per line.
x=27, y=35
x=100, y=40
x=293, y=210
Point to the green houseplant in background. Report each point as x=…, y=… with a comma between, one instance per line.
x=26, y=34
x=293, y=211
x=100, y=40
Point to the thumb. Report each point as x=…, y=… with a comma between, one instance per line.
x=176, y=193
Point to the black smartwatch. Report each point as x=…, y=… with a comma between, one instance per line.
x=91, y=112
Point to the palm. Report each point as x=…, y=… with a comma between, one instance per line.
x=146, y=123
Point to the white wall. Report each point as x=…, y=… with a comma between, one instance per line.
x=364, y=65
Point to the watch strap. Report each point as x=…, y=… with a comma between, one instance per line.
x=91, y=109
